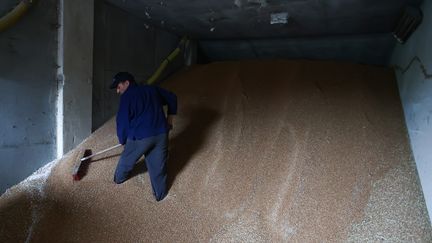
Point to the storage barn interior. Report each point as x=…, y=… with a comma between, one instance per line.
x=298, y=121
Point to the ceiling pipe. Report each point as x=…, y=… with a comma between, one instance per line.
x=15, y=14
x=184, y=41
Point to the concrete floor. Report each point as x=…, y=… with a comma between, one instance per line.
x=262, y=151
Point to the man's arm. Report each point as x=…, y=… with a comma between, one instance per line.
x=171, y=101
x=122, y=120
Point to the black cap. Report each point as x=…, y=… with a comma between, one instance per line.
x=121, y=77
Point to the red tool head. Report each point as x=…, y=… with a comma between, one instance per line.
x=81, y=169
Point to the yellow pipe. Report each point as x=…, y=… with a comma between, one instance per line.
x=167, y=60
x=13, y=16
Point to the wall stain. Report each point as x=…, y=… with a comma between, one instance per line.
x=425, y=72
x=25, y=144
x=10, y=146
x=12, y=48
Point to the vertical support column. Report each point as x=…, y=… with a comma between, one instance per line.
x=191, y=53
x=78, y=18
x=60, y=82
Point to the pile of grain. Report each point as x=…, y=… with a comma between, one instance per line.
x=262, y=151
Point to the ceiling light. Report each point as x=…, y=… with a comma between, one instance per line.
x=279, y=18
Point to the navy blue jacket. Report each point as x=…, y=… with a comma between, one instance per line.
x=141, y=113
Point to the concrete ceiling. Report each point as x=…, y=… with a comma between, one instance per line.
x=244, y=19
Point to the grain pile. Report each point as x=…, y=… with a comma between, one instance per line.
x=262, y=151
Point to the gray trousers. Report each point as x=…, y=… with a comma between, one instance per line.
x=155, y=150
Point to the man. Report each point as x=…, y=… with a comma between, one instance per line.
x=143, y=128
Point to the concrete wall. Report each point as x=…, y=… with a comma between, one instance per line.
x=413, y=62
x=78, y=71
x=123, y=42
x=373, y=49
x=29, y=92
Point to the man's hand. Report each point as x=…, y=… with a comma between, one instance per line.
x=170, y=121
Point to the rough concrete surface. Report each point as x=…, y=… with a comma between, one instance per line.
x=28, y=102
x=262, y=151
x=413, y=63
